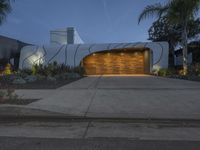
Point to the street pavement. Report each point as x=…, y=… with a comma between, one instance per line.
x=101, y=129
x=94, y=144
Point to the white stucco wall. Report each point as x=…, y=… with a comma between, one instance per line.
x=72, y=54
x=65, y=36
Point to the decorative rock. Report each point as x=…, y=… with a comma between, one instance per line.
x=31, y=78
x=19, y=80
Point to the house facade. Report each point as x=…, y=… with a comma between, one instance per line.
x=66, y=47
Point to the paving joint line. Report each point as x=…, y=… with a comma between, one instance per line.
x=94, y=83
x=86, y=130
x=93, y=96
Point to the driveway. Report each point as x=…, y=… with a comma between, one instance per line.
x=124, y=97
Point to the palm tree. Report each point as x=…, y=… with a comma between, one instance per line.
x=177, y=12
x=5, y=8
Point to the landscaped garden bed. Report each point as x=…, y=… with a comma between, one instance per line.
x=9, y=97
x=51, y=76
x=18, y=101
x=192, y=75
x=38, y=84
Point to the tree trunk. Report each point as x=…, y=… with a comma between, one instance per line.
x=171, y=54
x=185, y=49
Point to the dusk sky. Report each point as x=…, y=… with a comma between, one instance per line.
x=97, y=21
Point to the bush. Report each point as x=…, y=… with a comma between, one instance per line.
x=9, y=94
x=162, y=72
x=194, y=70
x=25, y=72
x=55, y=69
x=166, y=72
x=80, y=70
x=7, y=70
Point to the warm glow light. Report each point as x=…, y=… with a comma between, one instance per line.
x=136, y=53
x=116, y=63
x=120, y=75
x=93, y=54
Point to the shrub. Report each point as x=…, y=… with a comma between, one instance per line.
x=162, y=72
x=51, y=70
x=166, y=72
x=11, y=94
x=80, y=70
x=7, y=70
x=8, y=94
x=25, y=72
x=194, y=70
x=55, y=69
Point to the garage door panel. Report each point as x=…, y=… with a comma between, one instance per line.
x=114, y=63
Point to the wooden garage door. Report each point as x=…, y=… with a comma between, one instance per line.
x=114, y=63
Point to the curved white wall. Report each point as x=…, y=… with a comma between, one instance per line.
x=72, y=54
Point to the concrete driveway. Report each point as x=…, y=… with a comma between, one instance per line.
x=133, y=96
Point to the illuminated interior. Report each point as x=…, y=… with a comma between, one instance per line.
x=118, y=62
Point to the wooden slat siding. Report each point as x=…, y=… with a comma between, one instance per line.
x=114, y=63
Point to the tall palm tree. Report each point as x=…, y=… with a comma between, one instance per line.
x=5, y=8
x=177, y=12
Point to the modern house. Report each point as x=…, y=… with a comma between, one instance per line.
x=66, y=47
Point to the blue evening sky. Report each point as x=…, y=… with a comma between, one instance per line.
x=97, y=21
